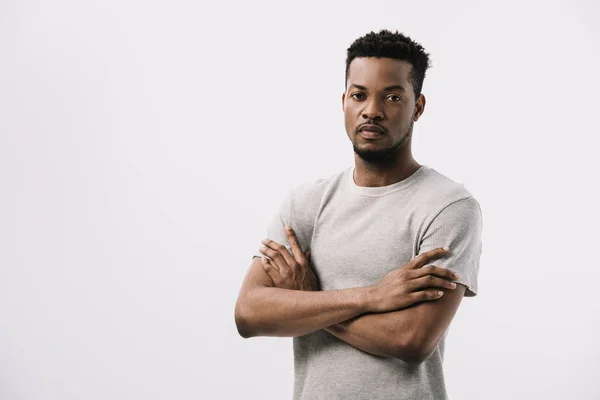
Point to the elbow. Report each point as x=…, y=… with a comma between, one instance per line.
x=244, y=331
x=415, y=352
x=243, y=328
x=247, y=321
x=253, y=317
x=242, y=321
x=414, y=356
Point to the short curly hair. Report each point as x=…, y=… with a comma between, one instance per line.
x=392, y=45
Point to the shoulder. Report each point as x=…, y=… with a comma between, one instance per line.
x=313, y=191
x=439, y=192
x=303, y=203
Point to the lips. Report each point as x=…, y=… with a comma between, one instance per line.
x=371, y=128
x=370, y=131
x=370, y=134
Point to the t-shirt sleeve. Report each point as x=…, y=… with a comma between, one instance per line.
x=276, y=226
x=458, y=226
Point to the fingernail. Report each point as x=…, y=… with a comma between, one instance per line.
x=446, y=248
x=456, y=276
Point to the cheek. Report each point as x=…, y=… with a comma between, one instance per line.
x=349, y=121
x=346, y=114
x=348, y=129
x=401, y=115
x=350, y=113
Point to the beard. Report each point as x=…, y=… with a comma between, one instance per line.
x=386, y=155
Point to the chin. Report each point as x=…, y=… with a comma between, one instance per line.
x=376, y=156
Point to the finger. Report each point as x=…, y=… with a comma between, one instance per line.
x=275, y=256
x=296, y=250
x=278, y=262
x=426, y=295
x=267, y=251
x=282, y=256
x=267, y=264
x=430, y=281
x=437, y=271
x=424, y=258
x=270, y=270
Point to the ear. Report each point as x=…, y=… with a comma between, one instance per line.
x=419, y=107
x=343, y=100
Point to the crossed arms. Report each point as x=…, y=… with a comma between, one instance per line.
x=403, y=316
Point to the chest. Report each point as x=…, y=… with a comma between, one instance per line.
x=359, y=246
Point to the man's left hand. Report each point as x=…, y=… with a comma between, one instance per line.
x=287, y=271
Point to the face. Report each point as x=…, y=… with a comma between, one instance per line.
x=380, y=107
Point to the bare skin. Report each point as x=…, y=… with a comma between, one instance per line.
x=399, y=289
x=411, y=333
x=404, y=315
x=379, y=92
x=268, y=306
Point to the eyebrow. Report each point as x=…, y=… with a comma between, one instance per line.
x=386, y=89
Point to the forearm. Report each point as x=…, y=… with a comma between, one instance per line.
x=382, y=334
x=270, y=311
x=411, y=334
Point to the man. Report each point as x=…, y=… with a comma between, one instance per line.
x=354, y=266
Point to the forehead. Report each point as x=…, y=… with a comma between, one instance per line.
x=375, y=72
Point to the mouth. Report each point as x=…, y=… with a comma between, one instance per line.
x=370, y=131
x=370, y=134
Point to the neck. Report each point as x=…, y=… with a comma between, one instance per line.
x=372, y=175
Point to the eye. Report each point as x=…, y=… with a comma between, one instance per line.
x=358, y=95
x=394, y=97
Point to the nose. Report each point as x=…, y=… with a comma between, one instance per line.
x=373, y=110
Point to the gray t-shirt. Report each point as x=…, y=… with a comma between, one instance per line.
x=357, y=235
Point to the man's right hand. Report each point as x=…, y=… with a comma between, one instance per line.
x=412, y=283
x=289, y=271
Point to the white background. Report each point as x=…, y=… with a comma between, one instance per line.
x=145, y=145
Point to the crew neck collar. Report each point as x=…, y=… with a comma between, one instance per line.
x=376, y=191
